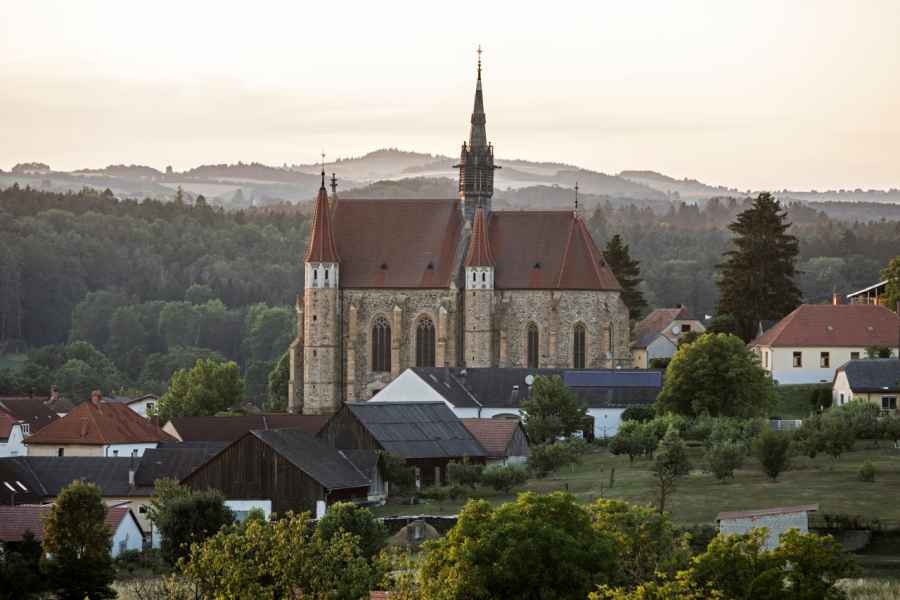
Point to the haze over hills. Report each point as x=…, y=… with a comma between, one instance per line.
x=387, y=173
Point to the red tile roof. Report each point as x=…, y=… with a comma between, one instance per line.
x=493, y=434
x=658, y=320
x=834, y=325
x=321, y=239
x=546, y=250
x=479, y=254
x=30, y=410
x=228, y=429
x=99, y=424
x=379, y=595
x=397, y=243
x=16, y=520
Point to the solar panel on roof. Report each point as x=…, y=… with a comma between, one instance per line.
x=612, y=378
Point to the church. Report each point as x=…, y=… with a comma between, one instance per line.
x=392, y=284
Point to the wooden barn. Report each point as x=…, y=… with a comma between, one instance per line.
x=289, y=468
x=426, y=434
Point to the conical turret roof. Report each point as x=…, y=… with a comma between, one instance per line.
x=321, y=239
x=479, y=254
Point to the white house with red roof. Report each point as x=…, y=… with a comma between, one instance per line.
x=810, y=343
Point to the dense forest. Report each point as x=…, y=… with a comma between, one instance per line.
x=118, y=294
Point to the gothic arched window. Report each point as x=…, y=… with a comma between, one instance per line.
x=533, y=346
x=578, y=354
x=381, y=345
x=425, y=343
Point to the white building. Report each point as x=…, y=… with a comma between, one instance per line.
x=776, y=521
x=875, y=380
x=810, y=343
x=657, y=335
x=143, y=405
x=19, y=418
x=486, y=393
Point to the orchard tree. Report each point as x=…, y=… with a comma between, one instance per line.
x=356, y=520
x=628, y=272
x=670, y=465
x=717, y=376
x=773, y=450
x=552, y=411
x=756, y=280
x=209, y=387
x=78, y=542
x=538, y=547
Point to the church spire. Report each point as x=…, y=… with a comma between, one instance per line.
x=322, y=248
x=477, y=133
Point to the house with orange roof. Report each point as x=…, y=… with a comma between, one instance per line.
x=810, y=343
x=97, y=428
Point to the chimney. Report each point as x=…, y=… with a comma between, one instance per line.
x=96, y=397
x=131, y=476
x=84, y=426
x=835, y=299
x=54, y=393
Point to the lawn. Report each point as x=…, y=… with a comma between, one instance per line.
x=699, y=498
x=792, y=401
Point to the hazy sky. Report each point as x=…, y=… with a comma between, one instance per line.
x=756, y=94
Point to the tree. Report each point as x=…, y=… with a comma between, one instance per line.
x=628, y=273
x=634, y=439
x=723, y=458
x=199, y=293
x=552, y=410
x=208, y=388
x=20, y=569
x=718, y=376
x=504, y=478
x=187, y=518
x=670, y=465
x=772, y=449
x=279, y=378
x=878, y=352
x=756, y=280
x=546, y=458
x=284, y=559
x=78, y=542
x=891, y=274
x=538, y=547
x=355, y=520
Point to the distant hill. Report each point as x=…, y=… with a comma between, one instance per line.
x=136, y=171
x=686, y=189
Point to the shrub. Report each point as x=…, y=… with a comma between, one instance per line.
x=773, y=451
x=546, y=458
x=191, y=518
x=723, y=458
x=641, y=414
x=867, y=472
x=435, y=493
x=503, y=478
x=356, y=520
x=464, y=473
x=397, y=473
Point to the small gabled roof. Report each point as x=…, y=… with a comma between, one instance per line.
x=655, y=323
x=833, y=325
x=27, y=410
x=494, y=434
x=99, y=423
x=767, y=512
x=332, y=468
x=416, y=429
x=16, y=520
x=46, y=476
x=872, y=374
x=172, y=462
x=479, y=254
x=228, y=429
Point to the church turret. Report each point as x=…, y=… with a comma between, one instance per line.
x=476, y=161
x=321, y=370
x=479, y=296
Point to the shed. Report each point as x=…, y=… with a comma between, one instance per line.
x=776, y=521
x=289, y=468
x=504, y=440
x=426, y=434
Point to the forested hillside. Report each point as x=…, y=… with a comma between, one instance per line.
x=151, y=286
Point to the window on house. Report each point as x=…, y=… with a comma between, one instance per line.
x=115, y=452
x=854, y=356
x=26, y=429
x=381, y=345
x=149, y=407
x=60, y=451
x=685, y=327
x=578, y=355
x=889, y=403
x=425, y=343
x=765, y=359
x=824, y=360
x=533, y=345
x=798, y=359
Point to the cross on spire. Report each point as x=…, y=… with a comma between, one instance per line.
x=576, y=198
x=479, y=61
x=323, y=169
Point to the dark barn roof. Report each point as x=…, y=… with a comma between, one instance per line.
x=229, y=429
x=416, y=429
x=172, y=462
x=506, y=388
x=46, y=476
x=332, y=468
x=873, y=375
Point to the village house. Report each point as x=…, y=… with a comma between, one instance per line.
x=776, y=521
x=495, y=392
x=427, y=435
x=143, y=405
x=96, y=428
x=20, y=418
x=810, y=343
x=874, y=294
x=504, y=440
x=15, y=521
x=228, y=429
x=875, y=380
x=285, y=470
x=658, y=334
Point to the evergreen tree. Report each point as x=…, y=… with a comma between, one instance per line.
x=757, y=278
x=628, y=272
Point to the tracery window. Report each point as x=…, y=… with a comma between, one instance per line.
x=425, y=343
x=578, y=353
x=533, y=346
x=381, y=345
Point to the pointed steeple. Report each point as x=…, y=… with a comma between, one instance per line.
x=321, y=240
x=479, y=254
x=477, y=133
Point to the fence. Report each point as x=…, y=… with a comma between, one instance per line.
x=785, y=424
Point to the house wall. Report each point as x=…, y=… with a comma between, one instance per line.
x=124, y=450
x=15, y=445
x=251, y=470
x=639, y=358
x=775, y=525
x=781, y=367
x=142, y=407
x=840, y=390
x=127, y=536
x=661, y=347
x=138, y=506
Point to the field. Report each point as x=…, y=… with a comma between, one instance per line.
x=699, y=498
